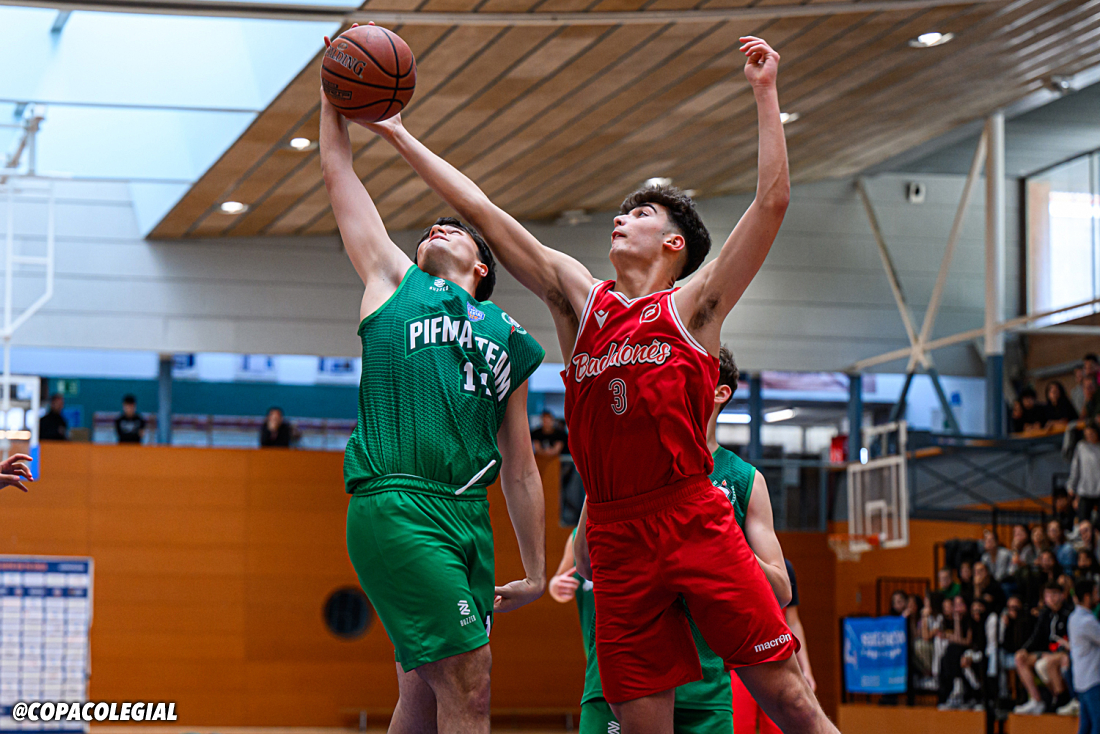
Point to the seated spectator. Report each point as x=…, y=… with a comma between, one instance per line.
x=1040, y=540
x=1016, y=627
x=966, y=581
x=959, y=634
x=973, y=678
x=996, y=557
x=1045, y=571
x=130, y=426
x=1023, y=552
x=1084, y=537
x=276, y=432
x=1059, y=409
x=52, y=426
x=899, y=602
x=987, y=590
x=1087, y=568
x=924, y=647
x=1065, y=513
x=1084, y=473
x=1016, y=417
x=1092, y=400
x=1032, y=415
x=1084, y=643
x=1063, y=549
x=1044, y=653
x=550, y=438
x=946, y=586
x=1083, y=375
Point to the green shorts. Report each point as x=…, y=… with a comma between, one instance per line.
x=426, y=564
x=596, y=718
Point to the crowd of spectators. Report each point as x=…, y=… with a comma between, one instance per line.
x=1059, y=408
x=996, y=610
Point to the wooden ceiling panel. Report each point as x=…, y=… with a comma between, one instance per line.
x=552, y=118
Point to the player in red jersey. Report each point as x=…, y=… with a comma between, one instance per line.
x=642, y=364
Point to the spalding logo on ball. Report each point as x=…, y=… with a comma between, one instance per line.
x=368, y=73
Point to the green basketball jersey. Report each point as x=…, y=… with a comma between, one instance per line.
x=438, y=369
x=734, y=476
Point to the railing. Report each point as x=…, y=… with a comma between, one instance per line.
x=231, y=431
x=803, y=491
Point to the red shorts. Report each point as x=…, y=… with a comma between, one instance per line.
x=654, y=553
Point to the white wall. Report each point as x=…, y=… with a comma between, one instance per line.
x=820, y=302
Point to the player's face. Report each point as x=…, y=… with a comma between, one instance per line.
x=446, y=250
x=643, y=234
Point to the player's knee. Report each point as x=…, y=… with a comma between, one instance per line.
x=471, y=687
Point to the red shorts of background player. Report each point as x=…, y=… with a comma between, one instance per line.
x=655, y=552
x=747, y=713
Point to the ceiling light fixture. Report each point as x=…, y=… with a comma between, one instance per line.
x=784, y=414
x=930, y=39
x=738, y=418
x=785, y=117
x=233, y=207
x=302, y=144
x=656, y=181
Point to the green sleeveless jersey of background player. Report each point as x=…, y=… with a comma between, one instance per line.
x=438, y=369
x=734, y=476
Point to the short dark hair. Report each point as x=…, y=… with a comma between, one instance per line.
x=1090, y=357
x=681, y=210
x=1028, y=392
x=488, y=282
x=1053, y=586
x=549, y=413
x=56, y=395
x=275, y=407
x=1083, y=587
x=129, y=400
x=728, y=374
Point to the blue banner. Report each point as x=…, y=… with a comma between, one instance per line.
x=875, y=655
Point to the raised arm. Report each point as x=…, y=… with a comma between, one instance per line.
x=522, y=486
x=712, y=293
x=380, y=263
x=559, y=280
x=760, y=534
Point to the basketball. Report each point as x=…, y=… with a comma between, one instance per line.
x=368, y=73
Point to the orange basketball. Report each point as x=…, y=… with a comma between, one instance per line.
x=368, y=73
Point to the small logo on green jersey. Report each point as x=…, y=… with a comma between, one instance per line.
x=474, y=313
x=439, y=285
x=515, y=324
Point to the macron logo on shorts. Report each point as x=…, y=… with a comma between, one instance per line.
x=772, y=643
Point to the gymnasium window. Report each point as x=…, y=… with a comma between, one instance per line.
x=1063, y=237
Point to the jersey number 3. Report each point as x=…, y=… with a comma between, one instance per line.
x=618, y=396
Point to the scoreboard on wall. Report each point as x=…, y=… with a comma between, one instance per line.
x=45, y=616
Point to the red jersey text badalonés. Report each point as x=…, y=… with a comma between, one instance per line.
x=639, y=391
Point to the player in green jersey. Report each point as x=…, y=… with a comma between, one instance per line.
x=704, y=706
x=442, y=413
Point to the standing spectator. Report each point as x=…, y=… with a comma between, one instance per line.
x=276, y=431
x=1044, y=653
x=130, y=426
x=53, y=426
x=1083, y=375
x=1059, y=408
x=996, y=557
x=1023, y=552
x=550, y=438
x=1084, y=473
x=1063, y=549
x=1084, y=643
x=987, y=590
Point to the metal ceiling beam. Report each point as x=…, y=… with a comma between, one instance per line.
x=339, y=14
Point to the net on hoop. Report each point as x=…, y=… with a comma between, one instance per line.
x=849, y=547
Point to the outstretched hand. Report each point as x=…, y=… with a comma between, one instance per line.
x=761, y=61
x=384, y=128
x=13, y=472
x=563, y=587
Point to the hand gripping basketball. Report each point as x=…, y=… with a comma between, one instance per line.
x=368, y=73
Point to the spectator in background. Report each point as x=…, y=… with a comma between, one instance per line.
x=959, y=634
x=1016, y=627
x=1045, y=571
x=924, y=649
x=1087, y=569
x=53, y=426
x=1044, y=652
x=1059, y=408
x=1083, y=376
x=1023, y=552
x=966, y=581
x=1064, y=513
x=996, y=557
x=973, y=657
x=276, y=431
x=1084, y=473
x=899, y=602
x=946, y=586
x=1084, y=643
x=130, y=426
x=1092, y=406
x=1085, y=537
x=550, y=438
x=1040, y=540
x=1063, y=549
x=987, y=590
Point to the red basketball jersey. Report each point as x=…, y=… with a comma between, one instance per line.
x=639, y=391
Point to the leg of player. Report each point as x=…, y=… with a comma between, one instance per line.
x=415, y=712
x=461, y=687
x=648, y=714
x=785, y=697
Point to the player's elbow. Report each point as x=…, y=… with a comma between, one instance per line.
x=777, y=199
x=783, y=595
